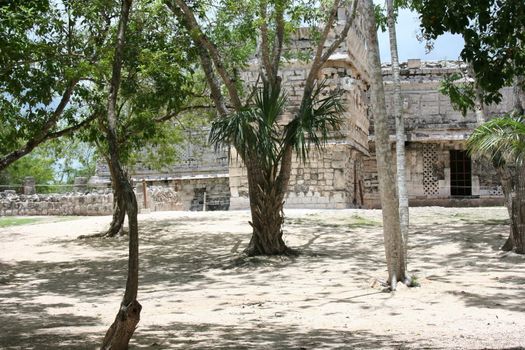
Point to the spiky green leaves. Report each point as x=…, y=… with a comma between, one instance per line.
x=500, y=139
x=254, y=131
x=319, y=114
x=256, y=134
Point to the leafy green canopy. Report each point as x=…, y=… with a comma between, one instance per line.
x=48, y=48
x=493, y=30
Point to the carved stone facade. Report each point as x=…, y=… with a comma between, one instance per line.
x=439, y=171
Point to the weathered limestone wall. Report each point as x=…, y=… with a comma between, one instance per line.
x=428, y=178
x=332, y=179
x=99, y=202
x=319, y=183
x=428, y=113
x=433, y=129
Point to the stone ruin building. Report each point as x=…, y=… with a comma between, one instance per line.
x=439, y=170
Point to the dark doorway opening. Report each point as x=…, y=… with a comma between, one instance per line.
x=460, y=173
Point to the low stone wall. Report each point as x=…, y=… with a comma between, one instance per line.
x=97, y=202
x=93, y=203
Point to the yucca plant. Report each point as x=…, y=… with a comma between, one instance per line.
x=266, y=147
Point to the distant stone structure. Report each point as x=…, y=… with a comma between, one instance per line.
x=439, y=170
x=88, y=202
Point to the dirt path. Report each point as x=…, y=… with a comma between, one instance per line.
x=60, y=292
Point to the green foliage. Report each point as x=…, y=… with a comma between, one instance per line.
x=257, y=136
x=500, y=139
x=46, y=47
x=254, y=131
x=462, y=94
x=319, y=114
x=72, y=158
x=37, y=165
x=413, y=282
x=493, y=31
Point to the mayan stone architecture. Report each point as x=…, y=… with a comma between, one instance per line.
x=439, y=171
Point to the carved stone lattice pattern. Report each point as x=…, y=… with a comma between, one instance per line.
x=496, y=191
x=430, y=160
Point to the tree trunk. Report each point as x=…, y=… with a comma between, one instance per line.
x=266, y=205
x=128, y=316
x=400, y=129
x=119, y=214
x=518, y=211
x=394, y=243
x=117, y=221
x=507, y=186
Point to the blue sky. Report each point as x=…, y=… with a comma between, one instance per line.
x=447, y=46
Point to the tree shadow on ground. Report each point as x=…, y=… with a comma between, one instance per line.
x=178, y=257
x=260, y=335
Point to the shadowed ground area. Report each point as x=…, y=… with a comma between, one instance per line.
x=199, y=292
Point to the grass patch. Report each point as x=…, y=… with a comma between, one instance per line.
x=15, y=221
x=357, y=221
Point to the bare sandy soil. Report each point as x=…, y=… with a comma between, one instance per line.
x=198, y=293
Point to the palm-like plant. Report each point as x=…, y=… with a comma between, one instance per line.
x=500, y=139
x=503, y=141
x=265, y=146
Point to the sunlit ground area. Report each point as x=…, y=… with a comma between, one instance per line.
x=198, y=292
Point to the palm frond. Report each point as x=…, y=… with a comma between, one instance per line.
x=500, y=138
x=318, y=116
x=254, y=131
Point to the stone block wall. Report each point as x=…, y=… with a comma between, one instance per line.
x=327, y=180
x=187, y=193
x=95, y=203
x=428, y=113
x=428, y=177
x=99, y=202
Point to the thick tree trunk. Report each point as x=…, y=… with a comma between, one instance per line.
x=402, y=190
x=128, y=316
x=394, y=244
x=266, y=205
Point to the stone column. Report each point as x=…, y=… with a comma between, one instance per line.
x=29, y=185
x=80, y=184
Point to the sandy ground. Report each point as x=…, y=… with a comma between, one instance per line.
x=198, y=293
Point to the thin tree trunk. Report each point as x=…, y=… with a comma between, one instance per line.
x=394, y=244
x=400, y=129
x=128, y=316
x=518, y=212
x=116, y=227
x=507, y=186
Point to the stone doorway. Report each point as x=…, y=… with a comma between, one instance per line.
x=460, y=174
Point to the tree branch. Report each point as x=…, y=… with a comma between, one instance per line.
x=279, y=36
x=181, y=10
x=42, y=134
x=265, y=49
